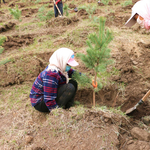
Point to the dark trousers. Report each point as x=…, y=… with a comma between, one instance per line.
x=60, y=6
x=3, y=1
x=65, y=96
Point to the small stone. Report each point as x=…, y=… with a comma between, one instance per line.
x=146, y=120
x=28, y=139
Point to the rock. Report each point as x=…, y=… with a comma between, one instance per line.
x=130, y=142
x=138, y=145
x=135, y=62
x=140, y=134
x=146, y=120
x=28, y=139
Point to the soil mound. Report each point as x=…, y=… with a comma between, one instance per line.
x=7, y=27
x=62, y=21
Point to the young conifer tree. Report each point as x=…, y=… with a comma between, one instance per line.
x=98, y=55
x=16, y=13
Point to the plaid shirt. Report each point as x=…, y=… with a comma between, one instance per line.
x=45, y=87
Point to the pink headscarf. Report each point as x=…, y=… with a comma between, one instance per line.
x=142, y=8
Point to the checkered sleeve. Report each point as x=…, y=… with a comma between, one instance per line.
x=50, y=85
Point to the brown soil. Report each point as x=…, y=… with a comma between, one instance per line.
x=81, y=127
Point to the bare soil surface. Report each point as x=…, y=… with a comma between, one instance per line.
x=27, y=49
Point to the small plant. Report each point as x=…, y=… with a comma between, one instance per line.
x=89, y=9
x=82, y=79
x=98, y=55
x=105, y=2
x=43, y=15
x=4, y=61
x=76, y=102
x=16, y=13
x=126, y=3
x=81, y=7
x=2, y=40
x=37, y=1
x=65, y=8
x=1, y=49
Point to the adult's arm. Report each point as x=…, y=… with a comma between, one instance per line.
x=50, y=85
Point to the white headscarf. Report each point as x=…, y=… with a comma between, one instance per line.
x=59, y=59
x=142, y=8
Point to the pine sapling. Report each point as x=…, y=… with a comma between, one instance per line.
x=97, y=55
x=43, y=15
x=65, y=9
x=16, y=13
x=2, y=40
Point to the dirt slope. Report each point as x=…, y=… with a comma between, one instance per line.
x=28, y=46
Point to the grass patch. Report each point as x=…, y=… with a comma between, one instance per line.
x=16, y=95
x=4, y=61
x=126, y=3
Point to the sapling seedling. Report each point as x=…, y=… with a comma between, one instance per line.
x=97, y=55
x=16, y=13
x=65, y=9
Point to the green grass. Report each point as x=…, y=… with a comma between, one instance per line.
x=1, y=49
x=126, y=3
x=105, y=2
x=4, y=61
x=15, y=96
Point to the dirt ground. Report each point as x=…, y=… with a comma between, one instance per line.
x=27, y=49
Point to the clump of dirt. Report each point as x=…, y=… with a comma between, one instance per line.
x=102, y=4
x=82, y=14
x=16, y=41
x=72, y=5
x=7, y=27
x=29, y=11
x=114, y=19
x=90, y=1
x=22, y=69
x=1, y=12
x=13, y=4
x=21, y=5
x=62, y=21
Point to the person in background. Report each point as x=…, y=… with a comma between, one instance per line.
x=60, y=7
x=3, y=2
x=53, y=88
x=140, y=14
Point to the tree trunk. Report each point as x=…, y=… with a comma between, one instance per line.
x=93, y=90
